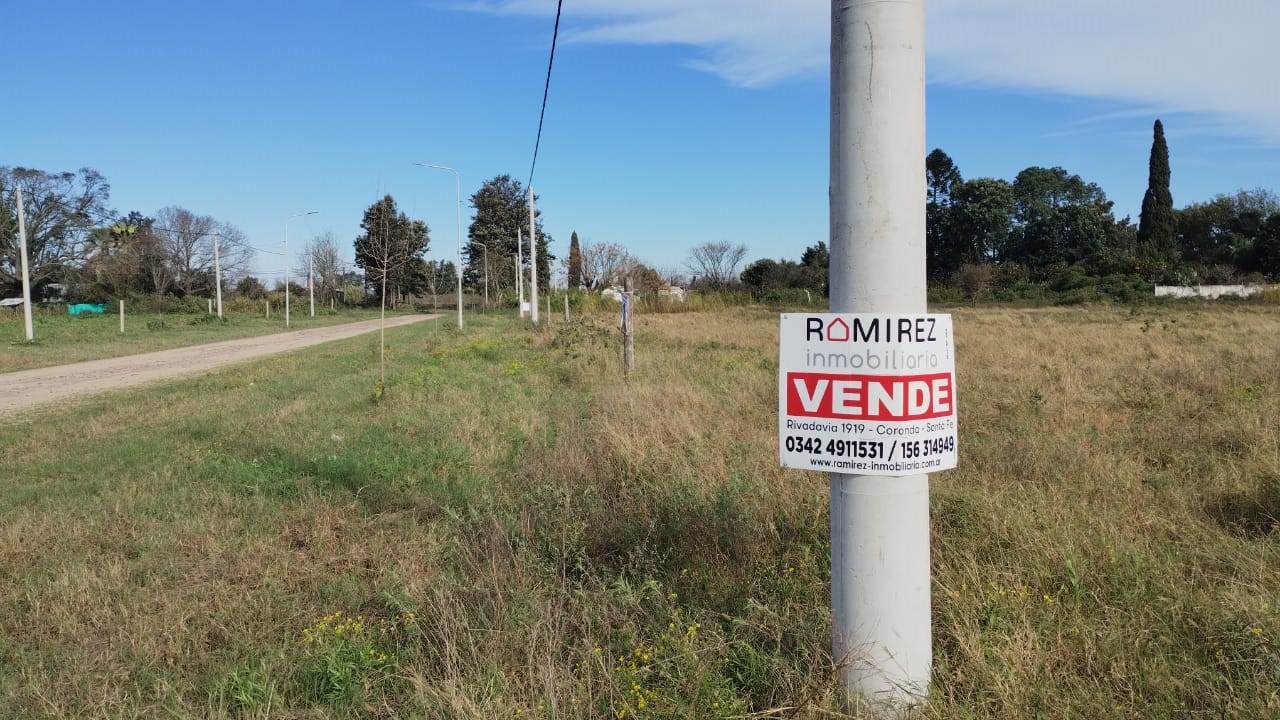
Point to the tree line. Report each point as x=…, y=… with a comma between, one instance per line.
x=1046, y=231
x=391, y=249
x=74, y=241
x=1051, y=231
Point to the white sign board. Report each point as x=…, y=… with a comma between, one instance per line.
x=866, y=394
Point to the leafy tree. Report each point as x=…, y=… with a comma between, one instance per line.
x=388, y=245
x=943, y=177
x=1157, y=226
x=1224, y=230
x=574, y=268
x=502, y=212
x=61, y=210
x=442, y=278
x=544, y=259
x=1059, y=219
x=816, y=260
x=114, y=255
x=764, y=275
x=1265, y=254
x=980, y=220
x=716, y=263
x=251, y=287
x=817, y=256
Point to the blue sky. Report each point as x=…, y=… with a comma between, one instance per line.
x=670, y=123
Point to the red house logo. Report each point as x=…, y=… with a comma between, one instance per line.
x=838, y=331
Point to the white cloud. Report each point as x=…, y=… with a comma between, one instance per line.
x=1172, y=55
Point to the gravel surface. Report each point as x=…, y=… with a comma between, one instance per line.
x=28, y=388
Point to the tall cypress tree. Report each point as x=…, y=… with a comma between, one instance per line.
x=1157, y=227
x=575, y=262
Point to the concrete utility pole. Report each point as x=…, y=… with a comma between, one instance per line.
x=520, y=272
x=286, y=262
x=879, y=526
x=311, y=286
x=26, y=272
x=217, y=272
x=533, y=260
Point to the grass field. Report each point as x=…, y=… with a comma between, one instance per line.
x=512, y=531
x=62, y=338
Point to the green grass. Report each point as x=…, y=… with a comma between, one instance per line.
x=61, y=338
x=513, y=531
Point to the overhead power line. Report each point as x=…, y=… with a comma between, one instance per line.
x=545, y=91
x=107, y=219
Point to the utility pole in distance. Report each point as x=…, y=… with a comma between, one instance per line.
x=26, y=273
x=311, y=286
x=217, y=272
x=286, y=262
x=533, y=260
x=519, y=273
x=880, y=581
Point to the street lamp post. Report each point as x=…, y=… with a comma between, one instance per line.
x=217, y=271
x=457, y=179
x=286, y=261
x=486, y=272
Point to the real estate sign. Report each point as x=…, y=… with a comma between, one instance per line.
x=867, y=394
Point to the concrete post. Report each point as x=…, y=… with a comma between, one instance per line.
x=26, y=271
x=217, y=273
x=519, y=273
x=533, y=261
x=880, y=579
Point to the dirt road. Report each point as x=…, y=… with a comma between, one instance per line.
x=28, y=388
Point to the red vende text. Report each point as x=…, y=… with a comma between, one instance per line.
x=869, y=397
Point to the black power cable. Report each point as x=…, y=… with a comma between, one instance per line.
x=546, y=90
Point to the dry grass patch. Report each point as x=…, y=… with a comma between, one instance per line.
x=522, y=534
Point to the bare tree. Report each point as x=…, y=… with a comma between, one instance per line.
x=716, y=262
x=326, y=264
x=605, y=264
x=188, y=244
x=154, y=261
x=61, y=209
x=389, y=244
x=185, y=256
x=234, y=253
